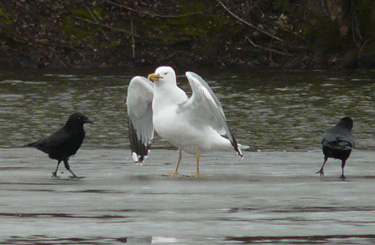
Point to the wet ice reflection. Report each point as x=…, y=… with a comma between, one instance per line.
x=268, y=196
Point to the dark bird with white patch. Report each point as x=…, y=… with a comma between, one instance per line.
x=338, y=143
x=65, y=142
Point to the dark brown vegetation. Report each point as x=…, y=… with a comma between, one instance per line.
x=114, y=33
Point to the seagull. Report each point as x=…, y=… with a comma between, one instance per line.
x=194, y=125
x=338, y=142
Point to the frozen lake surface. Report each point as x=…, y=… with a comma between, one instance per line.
x=266, y=197
x=271, y=196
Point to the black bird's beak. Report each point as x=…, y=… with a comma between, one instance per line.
x=89, y=121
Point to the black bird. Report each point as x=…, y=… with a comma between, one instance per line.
x=64, y=142
x=338, y=143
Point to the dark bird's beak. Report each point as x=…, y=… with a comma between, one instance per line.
x=88, y=121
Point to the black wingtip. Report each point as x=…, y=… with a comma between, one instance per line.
x=234, y=143
x=138, y=148
x=236, y=148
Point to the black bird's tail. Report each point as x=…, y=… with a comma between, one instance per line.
x=34, y=144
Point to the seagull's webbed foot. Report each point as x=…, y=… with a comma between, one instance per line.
x=342, y=177
x=321, y=172
x=196, y=175
x=174, y=174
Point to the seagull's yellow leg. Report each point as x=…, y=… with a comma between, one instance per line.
x=196, y=175
x=178, y=164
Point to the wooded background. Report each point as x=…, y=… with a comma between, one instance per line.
x=250, y=33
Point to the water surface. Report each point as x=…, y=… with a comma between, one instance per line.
x=282, y=110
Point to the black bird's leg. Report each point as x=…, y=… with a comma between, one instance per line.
x=342, y=170
x=54, y=174
x=321, y=171
x=68, y=168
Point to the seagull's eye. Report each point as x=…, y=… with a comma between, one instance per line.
x=165, y=73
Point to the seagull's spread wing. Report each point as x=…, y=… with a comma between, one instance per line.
x=139, y=106
x=205, y=109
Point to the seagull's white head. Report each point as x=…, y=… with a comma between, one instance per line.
x=163, y=74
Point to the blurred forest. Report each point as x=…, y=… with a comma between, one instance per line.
x=248, y=33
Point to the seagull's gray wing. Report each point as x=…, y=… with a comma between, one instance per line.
x=205, y=109
x=139, y=106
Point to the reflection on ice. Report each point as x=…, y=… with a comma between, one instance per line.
x=158, y=239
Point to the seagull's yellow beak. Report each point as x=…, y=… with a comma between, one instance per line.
x=154, y=77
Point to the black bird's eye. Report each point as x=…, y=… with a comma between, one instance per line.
x=79, y=118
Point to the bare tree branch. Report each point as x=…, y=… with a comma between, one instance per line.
x=91, y=13
x=105, y=26
x=268, y=49
x=248, y=23
x=132, y=35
